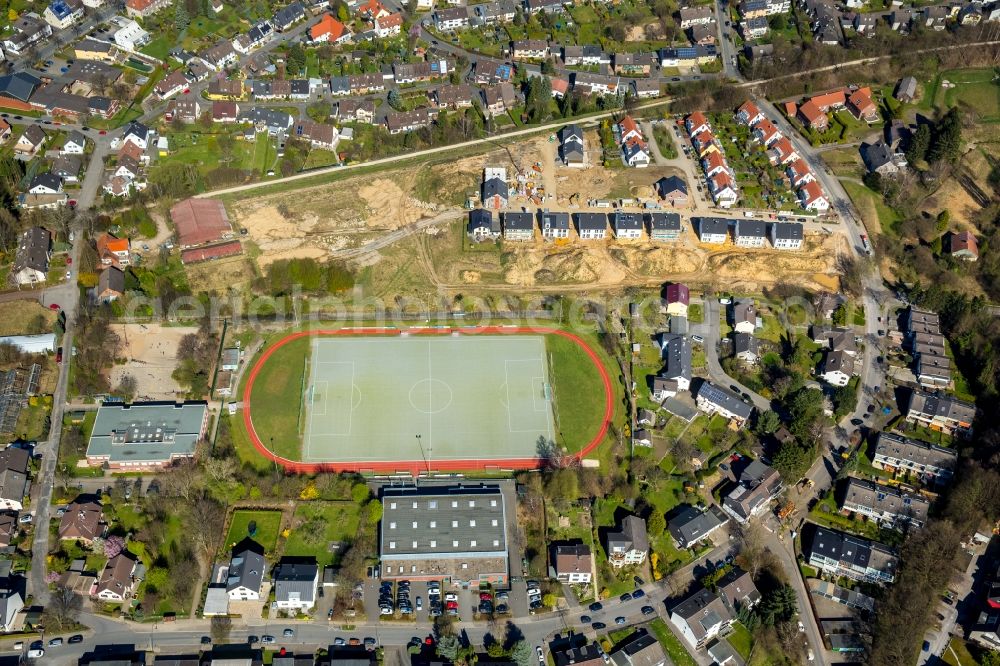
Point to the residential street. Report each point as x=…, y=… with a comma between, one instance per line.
x=709, y=330
x=187, y=634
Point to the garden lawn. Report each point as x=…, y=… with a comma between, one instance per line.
x=158, y=48
x=317, y=525
x=268, y=525
x=741, y=640
x=671, y=644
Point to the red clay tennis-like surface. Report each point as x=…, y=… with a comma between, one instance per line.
x=414, y=467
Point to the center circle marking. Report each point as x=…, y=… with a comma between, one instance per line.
x=430, y=396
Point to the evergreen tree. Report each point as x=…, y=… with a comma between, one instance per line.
x=448, y=647
x=521, y=653
x=181, y=17
x=947, y=142
x=778, y=606
x=919, y=143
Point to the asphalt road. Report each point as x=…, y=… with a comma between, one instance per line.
x=186, y=635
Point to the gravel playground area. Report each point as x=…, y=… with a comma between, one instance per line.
x=150, y=351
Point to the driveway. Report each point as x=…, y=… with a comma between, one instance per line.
x=710, y=331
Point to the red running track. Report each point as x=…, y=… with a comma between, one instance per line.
x=414, y=467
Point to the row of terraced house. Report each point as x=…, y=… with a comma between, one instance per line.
x=800, y=176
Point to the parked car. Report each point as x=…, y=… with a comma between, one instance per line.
x=596, y=606
x=266, y=639
x=541, y=655
x=76, y=638
x=648, y=610
x=288, y=633
x=339, y=642
x=619, y=620
x=55, y=642
x=638, y=594
x=597, y=626
x=586, y=619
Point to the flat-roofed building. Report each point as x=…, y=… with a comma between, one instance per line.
x=146, y=436
x=452, y=533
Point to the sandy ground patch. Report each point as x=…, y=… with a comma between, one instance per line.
x=956, y=199
x=315, y=221
x=612, y=264
x=650, y=31
x=150, y=351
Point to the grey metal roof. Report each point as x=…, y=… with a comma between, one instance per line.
x=664, y=221
x=295, y=577
x=480, y=218
x=146, y=432
x=713, y=225
x=19, y=85
x=494, y=187
x=787, y=230
x=518, y=221
x=627, y=221
x=677, y=354
x=591, y=221
x=751, y=228
x=692, y=524
x=443, y=522
x=555, y=220
x=246, y=568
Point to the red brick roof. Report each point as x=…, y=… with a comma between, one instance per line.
x=678, y=293
x=964, y=240
x=749, y=109
x=194, y=255
x=328, y=26
x=200, y=221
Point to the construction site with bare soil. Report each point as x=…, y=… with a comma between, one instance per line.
x=404, y=230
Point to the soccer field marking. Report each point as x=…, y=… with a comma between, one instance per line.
x=535, y=394
x=333, y=413
x=323, y=387
x=538, y=391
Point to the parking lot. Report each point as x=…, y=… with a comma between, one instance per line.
x=417, y=598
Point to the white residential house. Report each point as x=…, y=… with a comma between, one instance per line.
x=75, y=144
x=701, y=617
x=786, y=235
x=838, y=368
